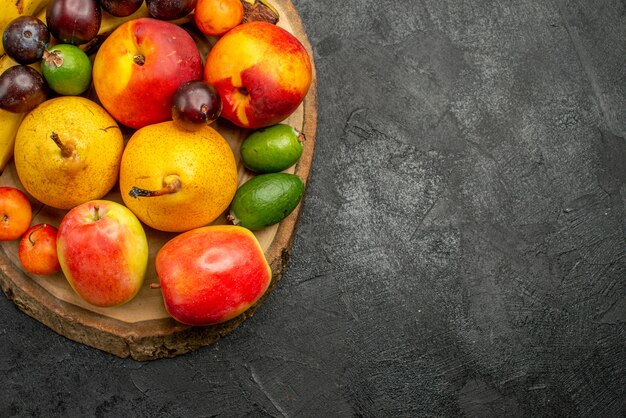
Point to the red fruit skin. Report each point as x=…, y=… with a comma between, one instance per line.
x=38, y=250
x=268, y=104
x=15, y=213
x=212, y=274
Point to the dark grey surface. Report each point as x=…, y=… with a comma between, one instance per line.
x=462, y=247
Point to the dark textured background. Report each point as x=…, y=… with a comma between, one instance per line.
x=462, y=247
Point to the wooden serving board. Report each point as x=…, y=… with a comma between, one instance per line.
x=142, y=328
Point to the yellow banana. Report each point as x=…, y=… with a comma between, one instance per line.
x=11, y=9
x=9, y=122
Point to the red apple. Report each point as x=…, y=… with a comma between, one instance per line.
x=262, y=73
x=103, y=252
x=140, y=66
x=38, y=250
x=15, y=213
x=211, y=274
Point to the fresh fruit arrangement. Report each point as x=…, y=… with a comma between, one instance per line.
x=101, y=97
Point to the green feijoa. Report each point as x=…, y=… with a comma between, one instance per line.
x=266, y=199
x=272, y=149
x=67, y=69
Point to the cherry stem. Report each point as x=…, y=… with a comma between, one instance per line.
x=30, y=239
x=66, y=150
x=171, y=184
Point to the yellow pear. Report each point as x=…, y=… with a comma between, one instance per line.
x=68, y=151
x=175, y=180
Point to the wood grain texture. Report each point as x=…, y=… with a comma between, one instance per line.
x=142, y=329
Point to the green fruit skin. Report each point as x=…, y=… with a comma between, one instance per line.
x=266, y=199
x=73, y=77
x=271, y=149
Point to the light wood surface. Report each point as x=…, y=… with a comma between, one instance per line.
x=142, y=328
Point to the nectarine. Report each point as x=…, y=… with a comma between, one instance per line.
x=261, y=71
x=140, y=66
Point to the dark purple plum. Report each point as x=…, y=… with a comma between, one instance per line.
x=25, y=38
x=22, y=89
x=74, y=22
x=195, y=103
x=170, y=9
x=121, y=8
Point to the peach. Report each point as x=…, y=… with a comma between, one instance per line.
x=140, y=66
x=262, y=73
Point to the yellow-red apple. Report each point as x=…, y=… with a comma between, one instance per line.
x=211, y=274
x=140, y=66
x=38, y=250
x=262, y=73
x=15, y=213
x=103, y=252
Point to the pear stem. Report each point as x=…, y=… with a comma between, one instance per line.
x=67, y=150
x=171, y=184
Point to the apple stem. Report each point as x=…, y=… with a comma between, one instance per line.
x=96, y=212
x=67, y=150
x=30, y=239
x=171, y=184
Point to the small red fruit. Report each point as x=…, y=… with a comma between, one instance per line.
x=38, y=250
x=15, y=213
